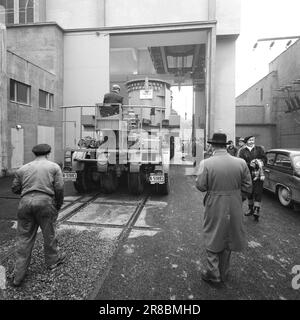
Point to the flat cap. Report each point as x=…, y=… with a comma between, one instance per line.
x=116, y=87
x=41, y=149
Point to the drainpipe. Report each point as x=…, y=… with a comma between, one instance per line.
x=3, y=101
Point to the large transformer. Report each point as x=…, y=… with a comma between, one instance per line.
x=130, y=141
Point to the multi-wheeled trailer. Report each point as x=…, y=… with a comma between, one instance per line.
x=123, y=145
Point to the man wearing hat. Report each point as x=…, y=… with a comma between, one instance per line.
x=255, y=158
x=223, y=178
x=113, y=96
x=231, y=149
x=40, y=184
x=241, y=145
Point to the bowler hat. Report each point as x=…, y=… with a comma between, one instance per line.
x=247, y=138
x=41, y=149
x=218, y=138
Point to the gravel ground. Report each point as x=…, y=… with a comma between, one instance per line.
x=87, y=256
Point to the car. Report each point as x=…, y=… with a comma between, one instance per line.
x=282, y=175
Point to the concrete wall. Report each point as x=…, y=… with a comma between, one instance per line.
x=283, y=71
x=31, y=116
x=265, y=135
x=287, y=65
x=42, y=46
x=223, y=115
x=260, y=94
x=247, y=114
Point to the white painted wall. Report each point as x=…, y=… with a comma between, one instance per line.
x=86, y=73
x=224, y=111
x=97, y=13
x=140, y=12
x=228, y=16
x=75, y=13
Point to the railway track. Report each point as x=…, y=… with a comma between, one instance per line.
x=73, y=207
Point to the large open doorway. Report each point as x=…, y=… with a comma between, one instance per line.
x=178, y=58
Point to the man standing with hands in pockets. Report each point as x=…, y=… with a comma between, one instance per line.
x=224, y=178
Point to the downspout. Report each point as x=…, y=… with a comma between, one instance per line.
x=3, y=102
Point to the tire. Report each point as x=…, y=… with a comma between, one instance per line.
x=163, y=189
x=135, y=183
x=108, y=182
x=82, y=183
x=284, y=196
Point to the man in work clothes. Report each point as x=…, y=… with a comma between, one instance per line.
x=241, y=145
x=40, y=184
x=113, y=96
x=223, y=178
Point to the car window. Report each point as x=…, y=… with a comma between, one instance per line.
x=271, y=158
x=284, y=161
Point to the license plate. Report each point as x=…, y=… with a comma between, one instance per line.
x=70, y=176
x=157, y=178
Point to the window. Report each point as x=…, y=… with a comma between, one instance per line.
x=270, y=158
x=25, y=11
x=12, y=14
x=283, y=161
x=8, y=11
x=19, y=92
x=261, y=94
x=46, y=100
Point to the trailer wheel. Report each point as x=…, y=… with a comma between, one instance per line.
x=108, y=182
x=83, y=182
x=135, y=183
x=163, y=189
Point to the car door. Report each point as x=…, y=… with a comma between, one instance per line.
x=268, y=170
x=282, y=172
x=296, y=178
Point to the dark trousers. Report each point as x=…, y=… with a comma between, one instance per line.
x=35, y=210
x=257, y=191
x=218, y=263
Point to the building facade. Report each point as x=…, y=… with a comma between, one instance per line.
x=93, y=43
x=270, y=109
x=31, y=91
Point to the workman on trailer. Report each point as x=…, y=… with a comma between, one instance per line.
x=113, y=96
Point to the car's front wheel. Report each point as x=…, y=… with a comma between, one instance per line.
x=284, y=196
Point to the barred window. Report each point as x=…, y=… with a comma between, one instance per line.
x=19, y=92
x=46, y=100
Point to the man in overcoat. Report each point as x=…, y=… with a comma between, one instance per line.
x=223, y=178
